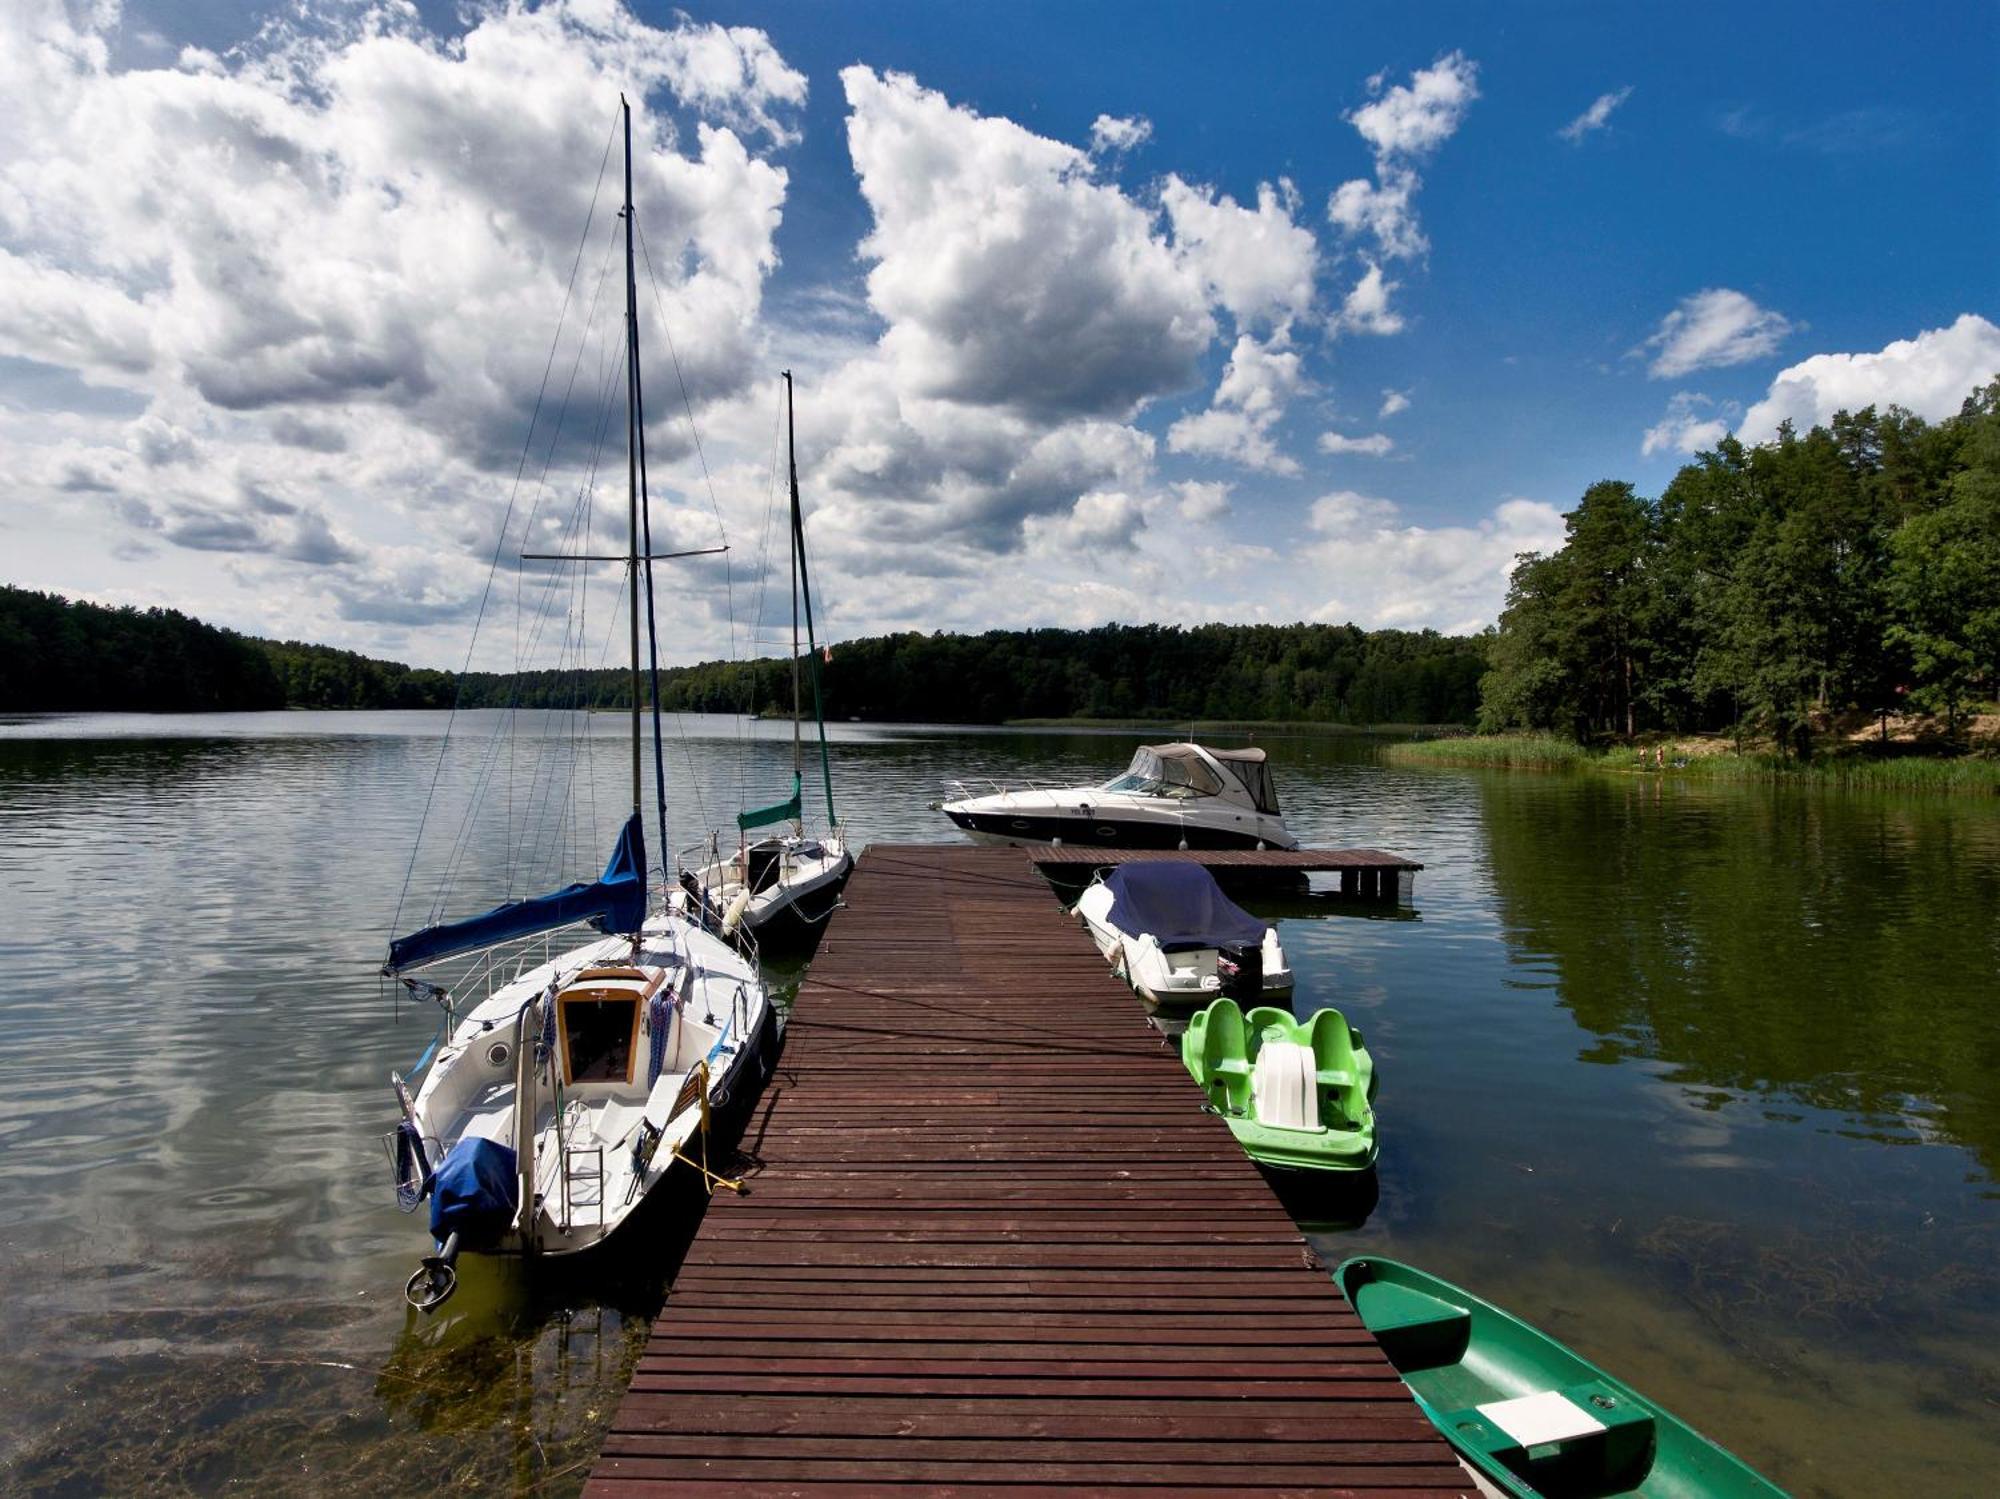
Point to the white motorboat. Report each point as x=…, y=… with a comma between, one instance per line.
x=1168, y=930
x=781, y=887
x=565, y=1085
x=1170, y=796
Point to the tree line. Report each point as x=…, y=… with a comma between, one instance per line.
x=1302, y=672
x=62, y=655
x=1855, y=567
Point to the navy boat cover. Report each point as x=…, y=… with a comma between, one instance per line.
x=475, y=1192
x=1179, y=905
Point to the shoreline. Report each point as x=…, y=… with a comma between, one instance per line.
x=1972, y=772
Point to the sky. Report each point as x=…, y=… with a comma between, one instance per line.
x=310, y=316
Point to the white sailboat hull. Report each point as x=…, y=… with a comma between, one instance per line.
x=773, y=884
x=582, y=1131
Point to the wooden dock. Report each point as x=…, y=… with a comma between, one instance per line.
x=992, y=1245
x=1367, y=873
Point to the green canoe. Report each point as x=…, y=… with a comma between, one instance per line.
x=1295, y=1095
x=1531, y=1416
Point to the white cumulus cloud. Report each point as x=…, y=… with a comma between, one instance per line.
x=1114, y=136
x=1414, y=119
x=1712, y=328
x=1692, y=423
x=1259, y=263
x=1203, y=499
x=313, y=261
x=1372, y=566
x=1930, y=375
x=1393, y=402
x=1256, y=385
x=1596, y=117
x=1404, y=125
x=1375, y=445
x=1367, y=309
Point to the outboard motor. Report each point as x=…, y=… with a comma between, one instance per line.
x=474, y=1194
x=1240, y=966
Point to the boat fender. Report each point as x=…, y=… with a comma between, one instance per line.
x=734, y=914
x=1182, y=845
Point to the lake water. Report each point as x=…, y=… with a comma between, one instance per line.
x=1703, y=1080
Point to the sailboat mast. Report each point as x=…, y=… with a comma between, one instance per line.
x=632, y=444
x=802, y=590
x=792, y=462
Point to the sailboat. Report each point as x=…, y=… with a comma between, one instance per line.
x=779, y=888
x=572, y=1081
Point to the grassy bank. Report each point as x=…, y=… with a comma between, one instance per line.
x=1497, y=751
x=1710, y=760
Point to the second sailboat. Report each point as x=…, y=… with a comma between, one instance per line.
x=779, y=888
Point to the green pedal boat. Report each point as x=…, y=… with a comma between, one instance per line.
x=1296, y=1095
x=1533, y=1418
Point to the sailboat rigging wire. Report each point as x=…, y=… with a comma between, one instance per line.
x=714, y=505
x=500, y=540
x=521, y=656
x=746, y=737
x=483, y=781
x=687, y=404
x=576, y=531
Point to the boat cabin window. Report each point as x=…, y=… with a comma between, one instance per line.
x=600, y=1034
x=1153, y=773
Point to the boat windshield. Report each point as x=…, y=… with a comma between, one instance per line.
x=1157, y=772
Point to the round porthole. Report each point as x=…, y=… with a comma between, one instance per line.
x=1108, y=834
x=1021, y=824
x=498, y=1054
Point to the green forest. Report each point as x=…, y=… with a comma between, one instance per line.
x=1851, y=569
x=57, y=655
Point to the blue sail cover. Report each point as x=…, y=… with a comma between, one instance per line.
x=615, y=903
x=1179, y=905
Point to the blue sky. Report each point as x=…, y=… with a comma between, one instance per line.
x=1187, y=413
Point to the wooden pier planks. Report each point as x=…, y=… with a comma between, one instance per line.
x=993, y=1246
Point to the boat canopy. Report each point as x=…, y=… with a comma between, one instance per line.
x=1179, y=905
x=1188, y=770
x=615, y=903
x=1251, y=768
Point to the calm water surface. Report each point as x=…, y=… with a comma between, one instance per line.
x=1705, y=1081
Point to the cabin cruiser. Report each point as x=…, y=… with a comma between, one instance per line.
x=1170, y=796
x=1167, y=929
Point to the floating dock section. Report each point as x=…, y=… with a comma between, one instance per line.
x=992, y=1245
x=1366, y=873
